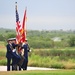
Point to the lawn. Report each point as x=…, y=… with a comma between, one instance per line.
x=53, y=72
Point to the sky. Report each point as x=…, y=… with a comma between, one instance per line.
x=41, y=14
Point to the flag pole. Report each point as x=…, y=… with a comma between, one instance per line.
x=16, y=5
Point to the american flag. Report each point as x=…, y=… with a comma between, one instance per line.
x=18, y=26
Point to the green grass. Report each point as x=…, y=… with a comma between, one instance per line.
x=51, y=62
x=50, y=58
x=2, y=53
x=54, y=72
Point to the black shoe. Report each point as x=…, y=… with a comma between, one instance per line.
x=24, y=69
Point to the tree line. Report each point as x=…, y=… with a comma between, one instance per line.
x=43, y=39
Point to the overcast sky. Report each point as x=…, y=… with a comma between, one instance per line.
x=41, y=14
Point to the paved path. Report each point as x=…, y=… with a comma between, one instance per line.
x=4, y=68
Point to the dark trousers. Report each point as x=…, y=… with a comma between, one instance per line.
x=25, y=63
x=16, y=58
x=25, y=67
x=8, y=64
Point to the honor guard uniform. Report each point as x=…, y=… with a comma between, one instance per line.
x=17, y=57
x=9, y=55
x=25, y=63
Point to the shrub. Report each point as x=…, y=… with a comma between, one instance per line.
x=3, y=62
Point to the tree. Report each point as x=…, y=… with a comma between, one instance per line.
x=72, y=41
x=11, y=35
x=1, y=37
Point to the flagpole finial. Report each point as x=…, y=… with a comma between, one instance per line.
x=15, y=2
x=16, y=5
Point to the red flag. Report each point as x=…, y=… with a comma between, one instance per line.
x=24, y=27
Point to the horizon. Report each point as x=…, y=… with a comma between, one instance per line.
x=38, y=30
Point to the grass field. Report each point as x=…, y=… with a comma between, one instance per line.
x=54, y=72
x=50, y=58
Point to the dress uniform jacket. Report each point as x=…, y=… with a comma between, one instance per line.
x=9, y=56
x=9, y=51
x=25, y=63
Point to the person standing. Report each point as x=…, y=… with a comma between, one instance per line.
x=26, y=50
x=16, y=56
x=9, y=55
